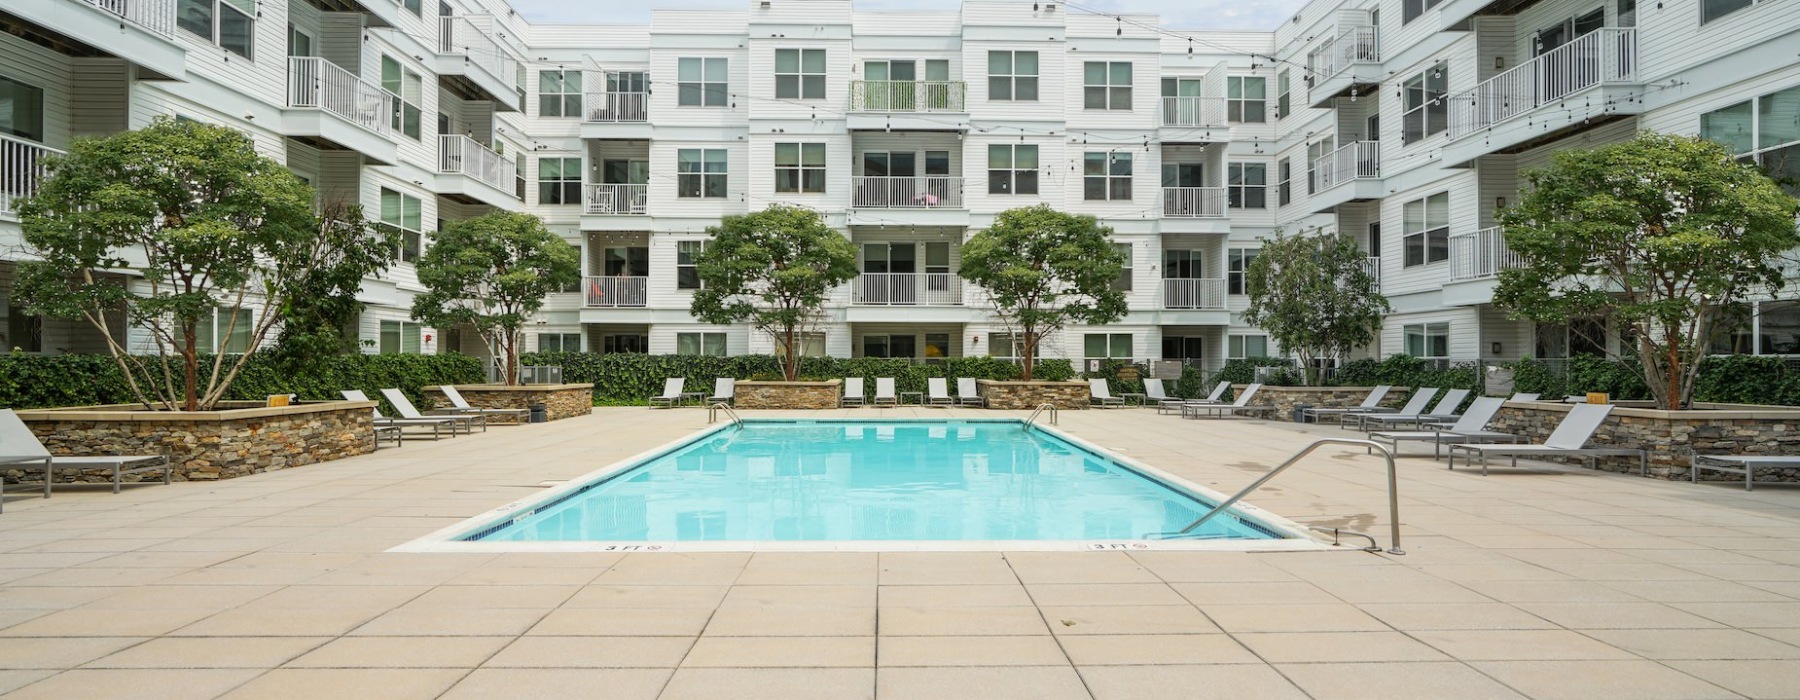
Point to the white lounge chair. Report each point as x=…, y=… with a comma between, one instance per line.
x=724, y=391
x=1174, y=404
x=1155, y=392
x=1444, y=410
x=20, y=447
x=458, y=404
x=1218, y=410
x=466, y=421
x=1471, y=427
x=436, y=424
x=853, y=392
x=937, y=392
x=1568, y=440
x=968, y=394
x=884, y=392
x=672, y=392
x=1445, y=424
x=1099, y=393
x=1739, y=464
x=1415, y=407
x=1370, y=404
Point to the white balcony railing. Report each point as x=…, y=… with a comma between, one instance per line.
x=616, y=292
x=461, y=154
x=320, y=84
x=609, y=107
x=158, y=16
x=1481, y=255
x=1194, y=202
x=1193, y=111
x=1355, y=44
x=1607, y=55
x=928, y=192
x=1194, y=293
x=1352, y=161
x=461, y=37
x=1373, y=267
x=617, y=199
x=907, y=289
x=21, y=170
x=907, y=95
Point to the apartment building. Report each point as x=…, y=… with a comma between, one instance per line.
x=910, y=131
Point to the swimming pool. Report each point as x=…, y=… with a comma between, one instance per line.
x=863, y=484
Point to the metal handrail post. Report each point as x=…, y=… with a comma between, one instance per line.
x=1393, y=487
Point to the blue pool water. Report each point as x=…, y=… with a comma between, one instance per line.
x=844, y=480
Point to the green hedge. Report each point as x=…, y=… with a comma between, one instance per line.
x=45, y=381
x=629, y=379
x=1746, y=379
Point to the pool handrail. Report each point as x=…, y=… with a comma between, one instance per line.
x=1393, y=487
x=712, y=413
x=1036, y=411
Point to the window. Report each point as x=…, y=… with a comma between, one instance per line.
x=559, y=181
x=1106, y=85
x=24, y=332
x=299, y=43
x=404, y=85
x=700, y=82
x=1105, y=346
x=1780, y=325
x=1281, y=94
x=403, y=213
x=1013, y=75
x=700, y=172
x=414, y=6
x=1183, y=347
x=810, y=345
x=1411, y=9
x=1764, y=130
x=1012, y=169
x=800, y=74
x=709, y=344
x=559, y=93
x=1428, y=340
x=1123, y=283
x=225, y=331
x=1246, y=99
x=1184, y=264
x=559, y=342
x=1714, y=9
x=896, y=346
x=630, y=343
x=399, y=337
x=1106, y=175
x=799, y=167
x=1237, y=263
x=687, y=273
x=21, y=110
x=1006, y=346
x=1315, y=151
x=1247, y=185
x=1427, y=111
x=1284, y=172
x=1427, y=230
x=228, y=23
x=1238, y=347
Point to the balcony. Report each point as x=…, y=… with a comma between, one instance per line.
x=616, y=115
x=1200, y=294
x=616, y=292
x=1373, y=267
x=492, y=173
x=140, y=32
x=1195, y=113
x=928, y=192
x=1481, y=255
x=907, y=289
x=475, y=65
x=21, y=169
x=1350, y=59
x=1589, y=81
x=334, y=109
x=617, y=199
x=1350, y=173
x=907, y=96
x=1194, y=202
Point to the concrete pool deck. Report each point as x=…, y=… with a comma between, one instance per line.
x=1554, y=583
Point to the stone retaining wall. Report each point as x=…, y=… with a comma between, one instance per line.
x=560, y=400
x=788, y=395
x=1672, y=437
x=1024, y=396
x=208, y=445
x=1284, y=398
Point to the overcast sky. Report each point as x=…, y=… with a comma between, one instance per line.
x=1176, y=14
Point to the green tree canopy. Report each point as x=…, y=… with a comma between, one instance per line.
x=193, y=226
x=1662, y=235
x=492, y=273
x=774, y=269
x=1044, y=269
x=1315, y=297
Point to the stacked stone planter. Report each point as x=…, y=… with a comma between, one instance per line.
x=560, y=400
x=206, y=445
x=1284, y=398
x=1672, y=437
x=789, y=395
x=1024, y=396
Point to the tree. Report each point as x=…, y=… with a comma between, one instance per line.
x=211, y=230
x=1044, y=269
x=774, y=269
x=319, y=313
x=1662, y=235
x=1315, y=297
x=492, y=273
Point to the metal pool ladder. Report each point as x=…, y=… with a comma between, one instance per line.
x=1036, y=411
x=712, y=414
x=1393, y=489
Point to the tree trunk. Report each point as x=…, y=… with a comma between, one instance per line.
x=190, y=364
x=1028, y=354
x=511, y=346
x=1672, y=364
x=790, y=365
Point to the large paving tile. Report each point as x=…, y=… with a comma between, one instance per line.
x=135, y=684
x=971, y=651
x=993, y=683
x=787, y=596
x=1757, y=678
x=609, y=596
x=418, y=622
x=85, y=622
x=592, y=652
x=211, y=652
x=785, y=683
x=1385, y=681
x=1720, y=644
x=249, y=621
x=402, y=652
x=1336, y=617
x=811, y=568
x=1519, y=645
x=1067, y=594
x=1452, y=616
x=1337, y=647
x=623, y=622
x=1078, y=567
x=1154, y=649
x=961, y=622
x=1584, y=680
x=1254, y=593
x=361, y=683
x=1228, y=682
x=1127, y=619
x=781, y=652
x=58, y=653
x=944, y=568
x=953, y=596
x=1617, y=616
x=560, y=683
x=791, y=622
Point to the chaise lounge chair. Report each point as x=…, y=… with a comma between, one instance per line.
x=1445, y=424
x=1415, y=407
x=1370, y=404
x=853, y=392
x=437, y=424
x=1568, y=440
x=1446, y=409
x=968, y=394
x=466, y=421
x=1739, y=464
x=937, y=392
x=1172, y=405
x=458, y=404
x=1242, y=405
x=21, y=447
x=1100, y=394
x=884, y=392
x=724, y=391
x=1471, y=427
x=672, y=393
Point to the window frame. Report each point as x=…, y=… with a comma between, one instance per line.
x=1707, y=18
x=801, y=83
x=1012, y=78
x=1123, y=283
x=567, y=101
x=704, y=344
x=1427, y=237
x=1111, y=341
x=562, y=342
x=1283, y=88
x=1238, y=193
x=1758, y=145
x=691, y=248
x=1428, y=333
x=206, y=335
x=707, y=183
x=799, y=170
x=216, y=24
x=22, y=88
x=401, y=328
x=1237, y=268
x=1284, y=174
x=1413, y=9
x=1430, y=90
x=408, y=116
x=412, y=240
x=1238, y=104
x=1113, y=95
x=1237, y=345
x=1012, y=178
x=704, y=91
x=1111, y=181
x=565, y=187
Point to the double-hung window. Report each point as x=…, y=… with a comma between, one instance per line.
x=559, y=181
x=1238, y=347
x=225, y=331
x=701, y=82
x=229, y=23
x=399, y=337
x=700, y=172
x=1012, y=168
x=1247, y=185
x=1013, y=75
x=1281, y=95
x=403, y=214
x=1123, y=283
x=21, y=111
x=1284, y=173
x=1427, y=230
x=1763, y=130
x=1714, y=9
x=559, y=93
x=1427, y=103
x=1427, y=340
x=1106, y=346
x=687, y=269
x=1106, y=85
x=1246, y=99
x=800, y=167
x=405, y=86
x=800, y=74
x=1237, y=266
x=1411, y=9
x=709, y=344
x=559, y=342
x=1106, y=175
